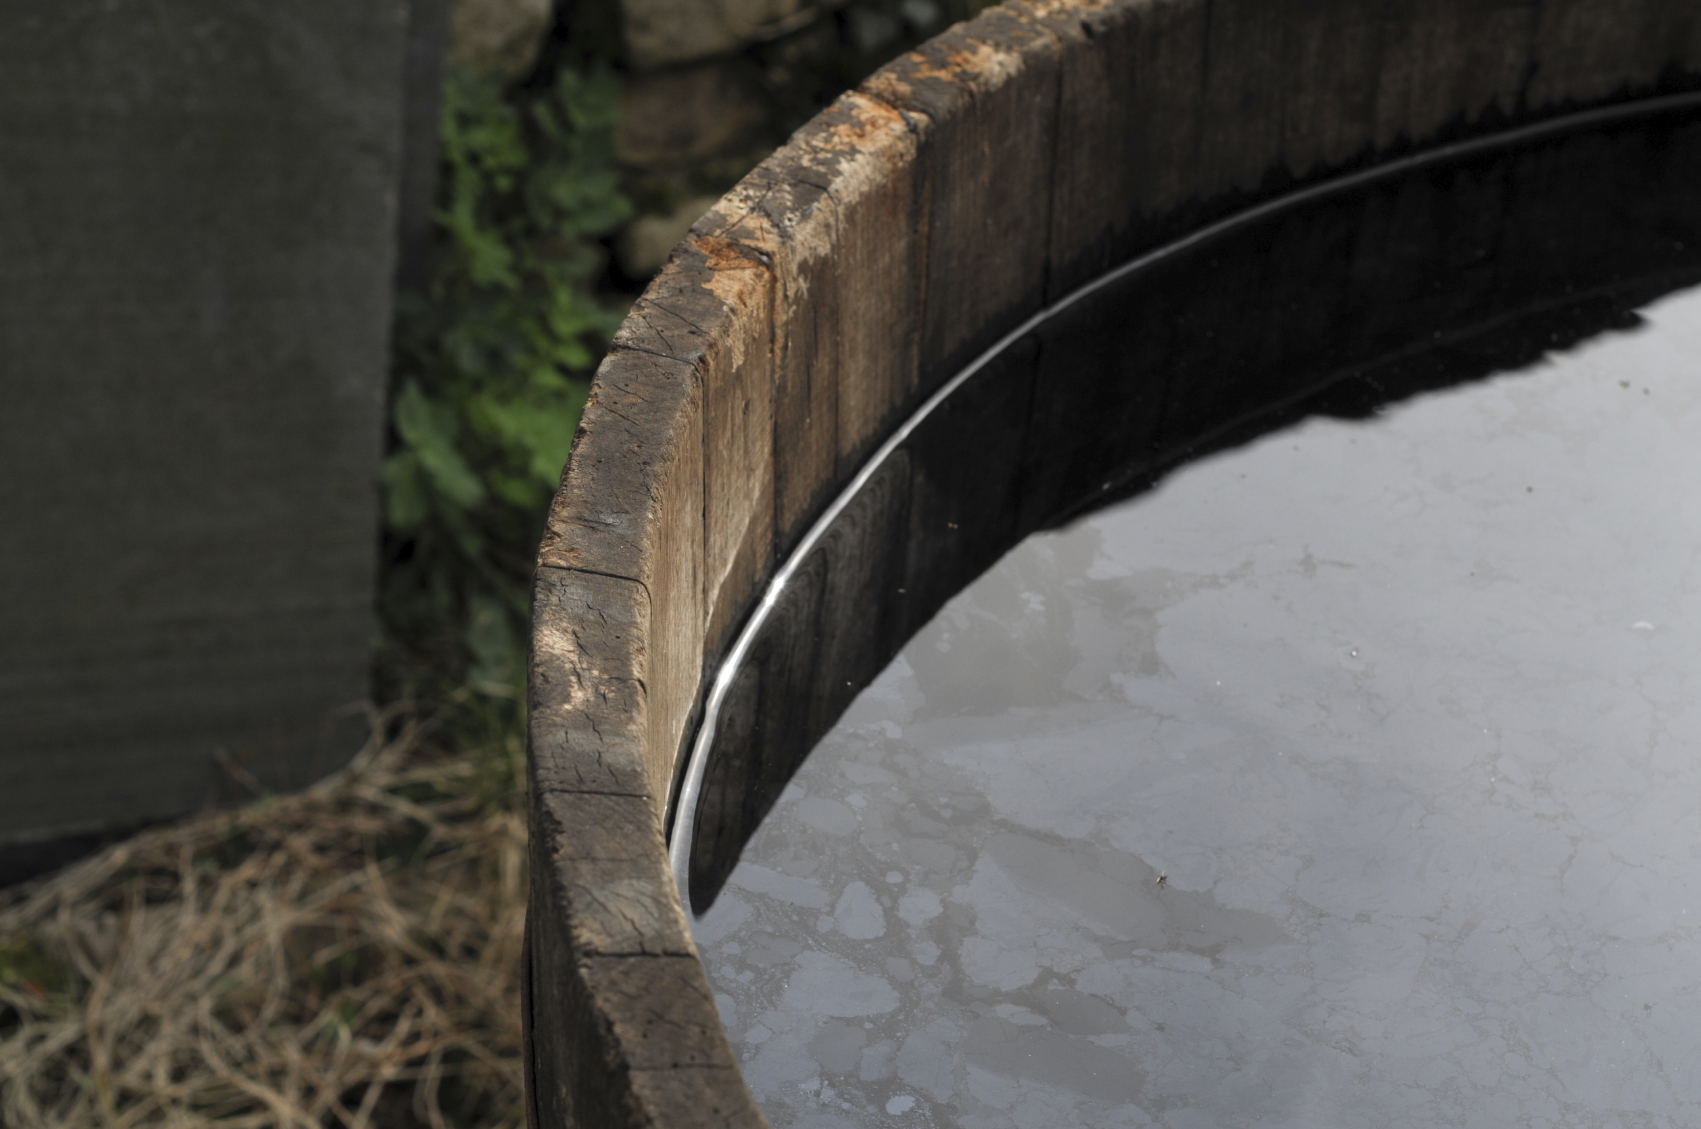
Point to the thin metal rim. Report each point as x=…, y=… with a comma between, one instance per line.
x=683, y=812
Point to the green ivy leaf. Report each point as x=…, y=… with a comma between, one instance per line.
x=405, y=506
x=429, y=431
x=491, y=362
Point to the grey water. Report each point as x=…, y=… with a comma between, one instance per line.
x=1349, y=778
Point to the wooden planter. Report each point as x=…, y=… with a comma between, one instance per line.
x=960, y=192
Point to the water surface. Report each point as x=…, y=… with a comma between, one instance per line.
x=1350, y=778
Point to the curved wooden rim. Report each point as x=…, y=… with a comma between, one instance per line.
x=960, y=190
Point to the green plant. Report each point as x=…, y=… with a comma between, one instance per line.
x=490, y=372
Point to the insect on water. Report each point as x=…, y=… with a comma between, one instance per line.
x=1163, y=879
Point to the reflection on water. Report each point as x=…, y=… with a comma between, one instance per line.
x=1352, y=778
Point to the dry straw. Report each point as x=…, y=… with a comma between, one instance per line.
x=344, y=957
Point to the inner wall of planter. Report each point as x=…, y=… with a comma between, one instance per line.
x=1348, y=301
x=1336, y=781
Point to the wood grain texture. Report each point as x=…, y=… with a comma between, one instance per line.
x=1173, y=112
x=983, y=100
x=1584, y=58
x=631, y=506
x=833, y=215
x=628, y=1040
x=898, y=234
x=738, y=441
x=636, y=431
x=587, y=700
x=601, y=849
x=623, y=1027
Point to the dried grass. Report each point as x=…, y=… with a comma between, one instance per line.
x=344, y=957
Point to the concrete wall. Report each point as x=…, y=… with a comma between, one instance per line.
x=197, y=231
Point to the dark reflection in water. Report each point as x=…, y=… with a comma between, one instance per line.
x=1349, y=778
